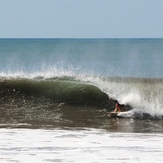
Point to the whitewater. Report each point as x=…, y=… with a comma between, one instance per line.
x=55, y=98
x=86, y=145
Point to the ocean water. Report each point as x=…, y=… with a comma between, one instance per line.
x=54, y=93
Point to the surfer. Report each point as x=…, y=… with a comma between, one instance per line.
x=118, y=107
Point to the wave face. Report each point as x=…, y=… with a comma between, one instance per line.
x=59, y=89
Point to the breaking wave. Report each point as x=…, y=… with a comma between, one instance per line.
x=142, y=94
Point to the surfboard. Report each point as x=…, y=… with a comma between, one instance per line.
x=116, y=114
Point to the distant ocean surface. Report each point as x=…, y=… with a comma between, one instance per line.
x=99, y=57
x=53, y=90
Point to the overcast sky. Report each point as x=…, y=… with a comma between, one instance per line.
x=81, y=18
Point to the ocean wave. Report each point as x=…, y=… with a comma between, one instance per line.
x=144, y=95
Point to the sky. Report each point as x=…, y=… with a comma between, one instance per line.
x=81, y=18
